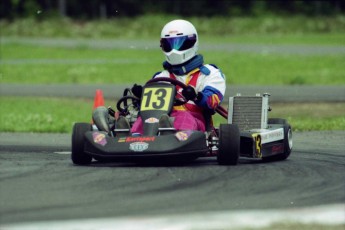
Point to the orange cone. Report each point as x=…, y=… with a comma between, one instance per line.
x=99, y=100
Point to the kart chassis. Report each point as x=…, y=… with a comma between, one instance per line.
x=248, y=132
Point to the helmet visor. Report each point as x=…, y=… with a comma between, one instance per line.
x=178, y=43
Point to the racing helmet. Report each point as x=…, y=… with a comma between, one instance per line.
x=179, y=41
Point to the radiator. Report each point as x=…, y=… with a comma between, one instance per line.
x=248, y=112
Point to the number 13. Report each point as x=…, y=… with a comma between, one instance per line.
x=155, y=99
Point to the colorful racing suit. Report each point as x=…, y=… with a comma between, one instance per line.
x=210, y=82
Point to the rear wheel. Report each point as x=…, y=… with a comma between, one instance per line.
x=229, y=144
x=78, y=156
x=287, y=139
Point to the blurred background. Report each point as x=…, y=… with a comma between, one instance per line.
x=143, y=17
x=95, y=9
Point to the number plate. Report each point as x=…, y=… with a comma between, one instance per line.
x=154, y=98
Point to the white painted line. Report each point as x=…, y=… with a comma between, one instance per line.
x=246, y=219
x=63, y=153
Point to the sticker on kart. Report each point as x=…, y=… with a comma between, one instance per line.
x=183, y=135
x=138, y=146
x=257, y=144
x=137, y=139
x=99, y=138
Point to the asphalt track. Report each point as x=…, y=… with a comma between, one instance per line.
x=40, y=183
x=151, y=44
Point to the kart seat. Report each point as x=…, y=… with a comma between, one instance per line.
x=122, y=127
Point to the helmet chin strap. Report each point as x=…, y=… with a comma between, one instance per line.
x=184, y=68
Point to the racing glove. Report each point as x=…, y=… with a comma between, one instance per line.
x=137, y=90
x=189, y=93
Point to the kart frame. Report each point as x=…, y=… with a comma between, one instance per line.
x=241, y=135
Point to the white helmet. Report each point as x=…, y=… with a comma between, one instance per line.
x=179, y=41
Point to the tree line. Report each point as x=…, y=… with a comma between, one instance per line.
x=94, y=9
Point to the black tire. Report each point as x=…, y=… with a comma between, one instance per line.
x=287, y=140
x=79, y=157
x=229, y=144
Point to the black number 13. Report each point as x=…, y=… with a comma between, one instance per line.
x=157, y=100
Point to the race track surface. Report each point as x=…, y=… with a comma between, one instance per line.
x=39, y=181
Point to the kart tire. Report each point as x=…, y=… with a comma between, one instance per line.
x=79, y=157
x=287, y=140
x=229, y=144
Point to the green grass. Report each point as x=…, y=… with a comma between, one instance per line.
x=311, y=116
x=42, y=114
x=294, y=29
x=47, y=65
x=58, y=115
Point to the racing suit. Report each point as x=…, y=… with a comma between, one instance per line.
x=209, y=82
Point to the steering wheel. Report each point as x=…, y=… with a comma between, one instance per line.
x=178, y=101
x=122, y=105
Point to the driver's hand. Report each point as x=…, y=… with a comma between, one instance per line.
x=189, y=93
x=137, y=90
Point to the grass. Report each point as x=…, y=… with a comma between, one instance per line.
x=312, y=116
x=58, y=115
x=42, y=114
x=47, y=65
x=262, y=29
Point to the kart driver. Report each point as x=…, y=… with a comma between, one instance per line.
x=205, y=83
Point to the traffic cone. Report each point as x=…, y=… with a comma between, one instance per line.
x=99, y=100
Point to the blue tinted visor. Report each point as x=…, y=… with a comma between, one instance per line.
x=178, y=43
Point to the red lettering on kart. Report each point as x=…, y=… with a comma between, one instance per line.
x=278, y=148
x=137, y=139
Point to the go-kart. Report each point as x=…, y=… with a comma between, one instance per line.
x=106, y=141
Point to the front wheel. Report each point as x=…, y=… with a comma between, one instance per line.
x=229, y=144
x=78, y=156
